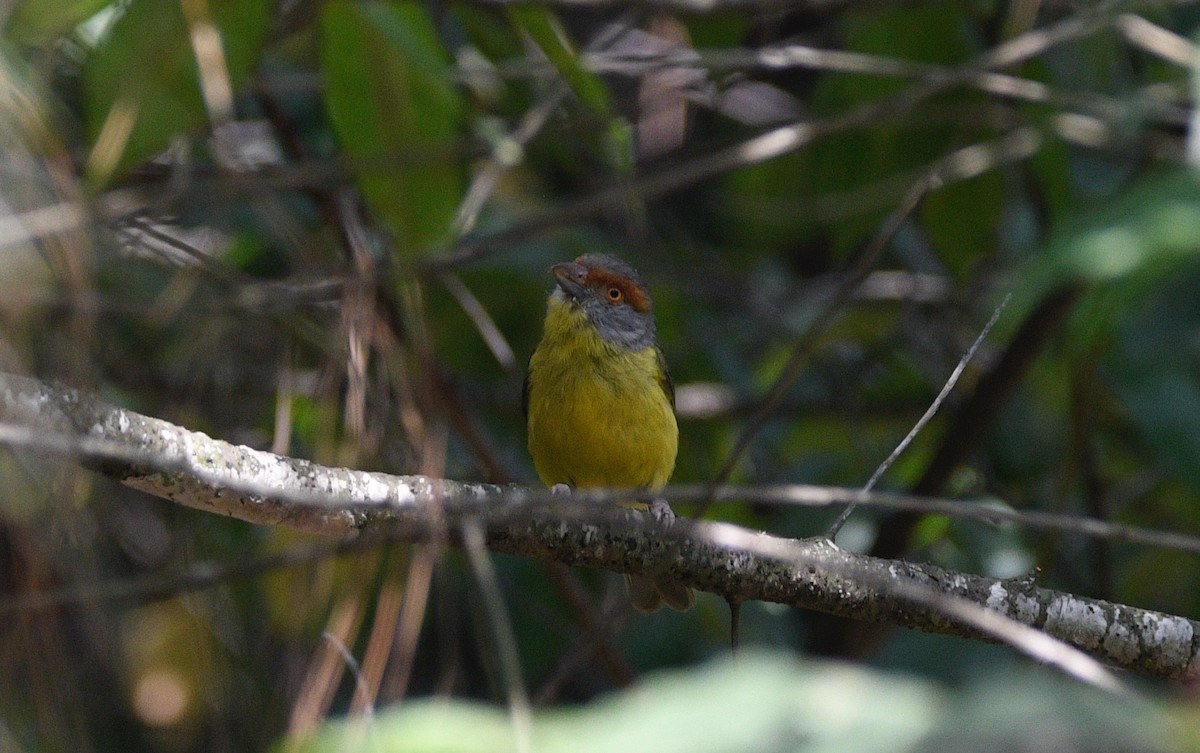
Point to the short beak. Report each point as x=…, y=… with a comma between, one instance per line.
x=571, y=277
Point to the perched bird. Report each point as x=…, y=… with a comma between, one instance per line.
x=598, y=397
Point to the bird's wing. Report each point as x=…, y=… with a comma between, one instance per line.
x=664, y=378
x=525, y=393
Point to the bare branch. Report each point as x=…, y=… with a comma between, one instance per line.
x=196, y=470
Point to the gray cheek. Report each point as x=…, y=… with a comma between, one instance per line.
x=621, y=325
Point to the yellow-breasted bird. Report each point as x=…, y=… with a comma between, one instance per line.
x=598, y=397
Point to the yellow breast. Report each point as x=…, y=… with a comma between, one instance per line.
x=599, y=415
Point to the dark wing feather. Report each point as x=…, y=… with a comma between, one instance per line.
x=525, y=393
x=664, y=378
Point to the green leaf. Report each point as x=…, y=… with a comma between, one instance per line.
x=547, y=32
x=420, y=727
x=142, y=81
x=1120, y=247
x=930, y=33
x=619, y=145
x=1137, y=256
x=777, y=704
x=389, y=97
x=1153, y=224
x=757, y=703
x=41, y=21
x=486, y=29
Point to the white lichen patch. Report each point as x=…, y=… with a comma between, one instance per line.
x=271, y=471
x=403, y=494
x=1084, y=623
x=1026, y=608
x=375, y=490
x=337, y=486
x=1120, y=642
x=997, y=599
x=166, y=441
x=1172, y=635
x=479, y=490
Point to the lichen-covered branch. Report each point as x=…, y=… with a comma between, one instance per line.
x=193, y=469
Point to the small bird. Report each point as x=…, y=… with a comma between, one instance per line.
x=598, y=397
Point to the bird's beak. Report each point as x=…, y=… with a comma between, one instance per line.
x=571, y=277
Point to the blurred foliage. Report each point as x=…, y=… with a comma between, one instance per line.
x=774, y=704
x=388, y=93
x=323, y=228
x=141, y=82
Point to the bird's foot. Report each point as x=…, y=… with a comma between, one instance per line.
x=662, y=512
x=560, y=490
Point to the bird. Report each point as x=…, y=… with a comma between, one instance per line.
x=598, y=398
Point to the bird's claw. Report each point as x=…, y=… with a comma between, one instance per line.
x=560, y=490
x=662, y=512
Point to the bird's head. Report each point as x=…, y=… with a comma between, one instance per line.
x=612, y=295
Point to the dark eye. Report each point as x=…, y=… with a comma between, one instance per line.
x=615, y=295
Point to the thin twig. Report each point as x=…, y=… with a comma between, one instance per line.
x=806, y=57
x=484, y=324
x=412, y=616
x=980, y=409
x=805, y=345
x=519, y=708
x=783, y=140
x=361, y=692
x=925, y=418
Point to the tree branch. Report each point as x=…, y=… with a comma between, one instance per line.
x=193, y=469
x=694, y=6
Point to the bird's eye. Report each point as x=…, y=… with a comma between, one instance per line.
x=615, y=295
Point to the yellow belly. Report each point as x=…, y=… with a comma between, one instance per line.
x=598, y=415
